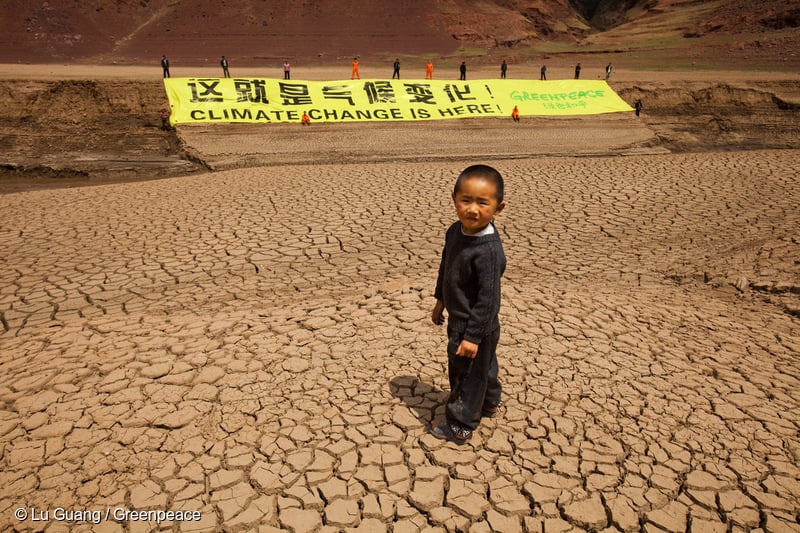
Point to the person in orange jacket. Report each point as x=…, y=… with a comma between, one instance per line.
x=515, y=114
x=429, y=70
x=355, y=75
x=305, y=120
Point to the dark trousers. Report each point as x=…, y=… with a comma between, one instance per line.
x=473, y=382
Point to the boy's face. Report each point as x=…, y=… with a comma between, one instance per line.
x=476, y=204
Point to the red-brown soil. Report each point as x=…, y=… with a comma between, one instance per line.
x=258, y=33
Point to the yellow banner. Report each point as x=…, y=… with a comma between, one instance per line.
x=272, y=100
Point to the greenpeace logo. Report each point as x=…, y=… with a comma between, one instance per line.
x=524, y=96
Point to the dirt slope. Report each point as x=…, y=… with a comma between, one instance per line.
x=256, y=32
x=105, y=129
x=86, y=129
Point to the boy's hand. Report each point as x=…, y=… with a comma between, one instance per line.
x=437, y=315
x=467, y=349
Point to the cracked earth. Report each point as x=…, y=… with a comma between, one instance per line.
x=254, y=344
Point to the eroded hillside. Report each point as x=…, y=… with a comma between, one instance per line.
x=256, y=32
x=111, y=128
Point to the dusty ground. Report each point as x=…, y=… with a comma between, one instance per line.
x=253, y=343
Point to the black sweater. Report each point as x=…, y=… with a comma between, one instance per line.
x=469, y=282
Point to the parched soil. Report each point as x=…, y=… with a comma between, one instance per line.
x=253, y=341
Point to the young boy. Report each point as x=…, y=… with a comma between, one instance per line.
x=468, y=286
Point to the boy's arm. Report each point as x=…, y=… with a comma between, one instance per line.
x=437, y=315
x=489, y=269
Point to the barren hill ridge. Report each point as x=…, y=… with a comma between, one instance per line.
x=254, y=31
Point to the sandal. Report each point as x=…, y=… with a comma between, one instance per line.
x=445, y=431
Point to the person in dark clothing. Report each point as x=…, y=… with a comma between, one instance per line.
x=396, y=71
x=468, y=288
x=577, y=71
x=224, y=64
x=463, y=70
x=165, y=65
x=503, y=69
x=543, y=72
x=638, y=107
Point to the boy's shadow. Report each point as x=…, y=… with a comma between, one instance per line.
x=423, y=399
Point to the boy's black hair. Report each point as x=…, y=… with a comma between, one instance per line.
x=482, y=171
